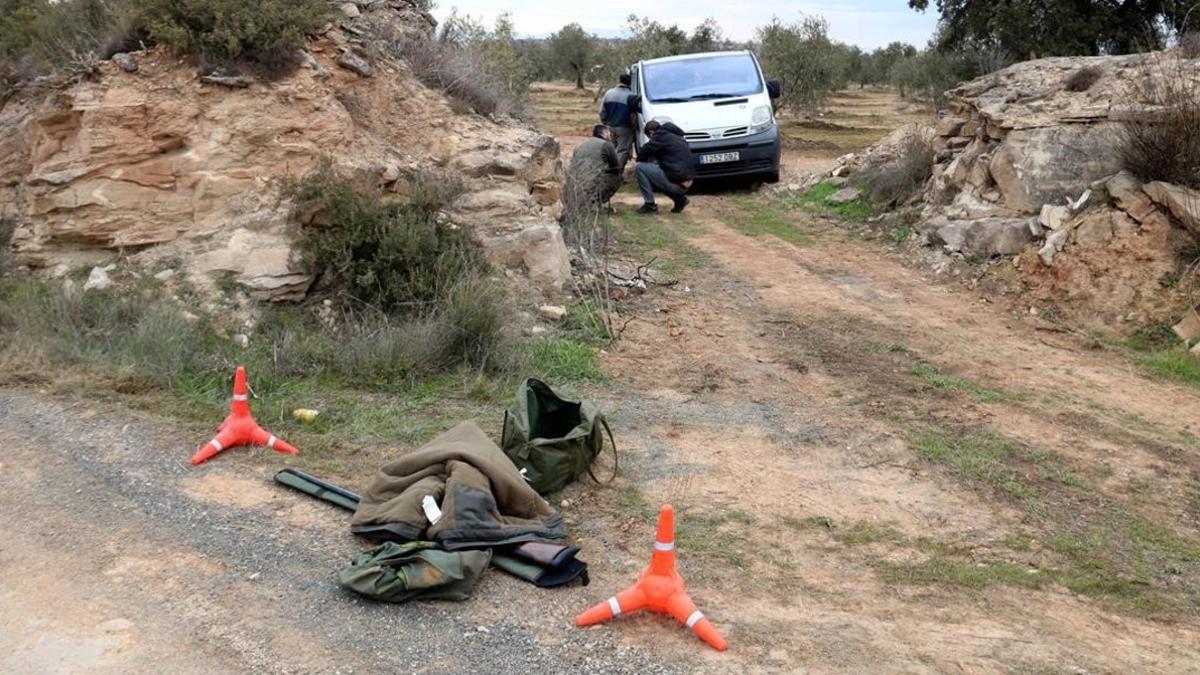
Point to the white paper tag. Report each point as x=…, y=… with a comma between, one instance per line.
x=432, y=512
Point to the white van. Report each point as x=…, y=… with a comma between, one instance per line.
x=723, y=104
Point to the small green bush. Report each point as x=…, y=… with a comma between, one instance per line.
x=264, y=32
x=391, y=256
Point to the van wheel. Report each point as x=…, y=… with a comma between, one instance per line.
x=771, y=178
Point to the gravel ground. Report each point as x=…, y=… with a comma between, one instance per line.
x=117, y=556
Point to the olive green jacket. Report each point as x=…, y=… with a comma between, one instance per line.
x=484, y=500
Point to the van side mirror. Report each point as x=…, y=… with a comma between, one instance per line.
x=774, y=89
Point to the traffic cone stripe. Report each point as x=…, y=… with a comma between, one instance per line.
x=241, y=397
x=694, y=618
x=659, y=546
x=271, y=442
x=614, y=606
x=216, y=444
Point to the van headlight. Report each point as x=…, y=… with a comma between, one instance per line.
x=762, y=119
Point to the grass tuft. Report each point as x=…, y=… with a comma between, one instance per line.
x=937, y=380
x=755, y=217
x=558, y=359
x=817, y=197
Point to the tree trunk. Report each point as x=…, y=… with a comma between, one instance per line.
x=578, y=76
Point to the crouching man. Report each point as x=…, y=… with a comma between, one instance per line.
x=665, y=163
x=594, y=175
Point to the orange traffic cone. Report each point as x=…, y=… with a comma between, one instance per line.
x=659, y=589
x=239, y=428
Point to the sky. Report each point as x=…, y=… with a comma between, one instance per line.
x=866, y=23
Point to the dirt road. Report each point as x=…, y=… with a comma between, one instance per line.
x=874, y=472
x=116, y=556
x=780, y=392
x=772, y=396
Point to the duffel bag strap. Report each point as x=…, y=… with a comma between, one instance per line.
x=612, y=443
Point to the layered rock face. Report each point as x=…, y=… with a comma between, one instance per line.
x=1027, y=164
x=151, y=161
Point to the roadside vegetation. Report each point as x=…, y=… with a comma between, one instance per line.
x=408, y=332
x=39, y=37
x=819, y=198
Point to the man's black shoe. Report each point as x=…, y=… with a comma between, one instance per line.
x=648, y=208
x=681, y=204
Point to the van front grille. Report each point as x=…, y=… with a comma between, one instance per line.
x=735, y=132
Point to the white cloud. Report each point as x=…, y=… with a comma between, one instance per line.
x=867, y=23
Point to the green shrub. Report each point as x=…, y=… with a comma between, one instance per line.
x=230, y=30
x=38, y=36
x=391, y=256
x=123, y=332
x=265, y=32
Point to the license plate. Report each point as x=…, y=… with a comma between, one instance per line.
x=720, y=157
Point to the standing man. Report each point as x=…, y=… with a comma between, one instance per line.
x=615, y=113
x=665, y=163
x=594, y=174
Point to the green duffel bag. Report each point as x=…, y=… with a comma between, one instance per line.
x=552, y=440
x=416, y=570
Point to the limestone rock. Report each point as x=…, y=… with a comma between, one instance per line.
x=1095, y=228
x=1039, y=166
x=1053, y=217
x=979, y=176
x=1054, y=243
x=260, y=261
x=845, y=195
x=350, y=10
x=126, y=62
x=538, y=249
x=166, y=166
x=231, y=81
x=355, y=63
x=949, y=126
x=1189, y=327
x=553, y=312
x=98, y=280
x=1126, y=191
x=985, y=237
x=1183, y=203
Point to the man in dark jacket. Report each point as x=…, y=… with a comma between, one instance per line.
x=665, y=163
x=615, y=113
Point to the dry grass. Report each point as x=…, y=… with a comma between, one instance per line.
x=1165, y=144
x=897, y=181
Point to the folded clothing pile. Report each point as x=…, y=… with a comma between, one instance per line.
x=443, y=513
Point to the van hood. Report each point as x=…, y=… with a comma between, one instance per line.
x=704, y=115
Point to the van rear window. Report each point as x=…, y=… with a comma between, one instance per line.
x=702, y=78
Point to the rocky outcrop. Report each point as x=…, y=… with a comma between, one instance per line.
x=1028, y=167
x=153, y=163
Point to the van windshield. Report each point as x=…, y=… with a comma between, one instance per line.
x=706, y=77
